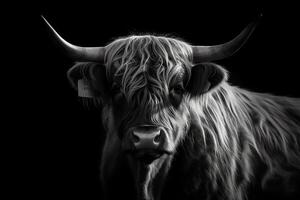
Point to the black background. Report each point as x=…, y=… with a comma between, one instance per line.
x=56, y=142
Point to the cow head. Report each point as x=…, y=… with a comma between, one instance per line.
x=145, y=84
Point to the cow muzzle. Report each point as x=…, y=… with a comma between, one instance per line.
x=148, y=142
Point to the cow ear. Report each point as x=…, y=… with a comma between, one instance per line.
x=205, y=77
x=89, y=79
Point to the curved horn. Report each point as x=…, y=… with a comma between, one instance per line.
x=76, y=52
x=217, y=52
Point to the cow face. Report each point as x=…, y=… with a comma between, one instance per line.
x=145, y=89
x=153, y=116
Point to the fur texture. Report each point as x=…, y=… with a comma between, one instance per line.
x=234, y=129
x=238, y=127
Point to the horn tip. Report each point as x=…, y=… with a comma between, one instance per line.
x=45, y=20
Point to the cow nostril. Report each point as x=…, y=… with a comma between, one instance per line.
x=135, y=138
x=157, y=138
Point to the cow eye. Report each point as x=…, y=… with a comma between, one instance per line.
x=115, y=89
x=116, y=93
x=178, y=89
x=176, y=94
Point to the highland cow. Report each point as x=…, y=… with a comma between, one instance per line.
x=177, y=129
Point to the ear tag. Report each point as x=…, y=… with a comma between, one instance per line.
x=84, y=89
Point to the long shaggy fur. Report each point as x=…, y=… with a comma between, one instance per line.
x=237, y=126
x=232, y=127
x=147, y=60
